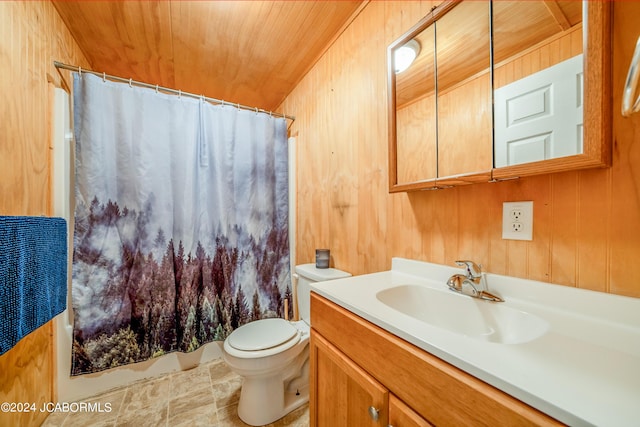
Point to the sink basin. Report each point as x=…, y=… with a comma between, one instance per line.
x=461, y=314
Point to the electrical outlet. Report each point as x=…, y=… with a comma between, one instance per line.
x=517, y=220
x=515, y=214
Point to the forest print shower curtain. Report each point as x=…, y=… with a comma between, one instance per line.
x=181, y=222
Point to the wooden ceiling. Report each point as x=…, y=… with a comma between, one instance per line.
x=247, y=52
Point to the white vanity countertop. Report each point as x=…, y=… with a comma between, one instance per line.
x=585, y=370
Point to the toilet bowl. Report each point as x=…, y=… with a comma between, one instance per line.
x=272, y=357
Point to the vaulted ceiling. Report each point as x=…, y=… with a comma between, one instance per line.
x=247, y=52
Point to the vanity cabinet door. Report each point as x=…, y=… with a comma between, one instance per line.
x=400, y=415
x=342, y=393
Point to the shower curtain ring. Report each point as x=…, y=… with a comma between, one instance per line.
x=130, y=82
x=156, y=88
x=256, y=110
x=104, y=77
x=80, y=70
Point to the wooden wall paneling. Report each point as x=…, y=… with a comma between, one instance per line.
x=312, y=186
x=317, y=157
x=564, y=228
x=415, y=227
x=539, y=249
x=498, y=257
x=406, y=237
x=443, y=212
x=394, y=215
x=512, y=257
x=476, y=223
x=26, y=376
x=538, y=255
x=437, y=226
x=625, y=173
x=411, y=237
x=341, y=149
x=23, y=154
x=517, y=258
x=32, y=36
x=370, y=157
x=594, y=228
x=350, y=121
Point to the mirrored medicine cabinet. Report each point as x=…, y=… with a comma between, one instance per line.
x=500, y=90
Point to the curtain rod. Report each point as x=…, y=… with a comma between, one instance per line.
x=80, y=70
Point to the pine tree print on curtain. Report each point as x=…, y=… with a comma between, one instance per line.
x=181, y=222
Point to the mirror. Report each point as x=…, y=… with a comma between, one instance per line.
x=529, y=40
x=415, y=101
x=538, y=81
x=449, y=83
x=585, y=28
x=463, y=57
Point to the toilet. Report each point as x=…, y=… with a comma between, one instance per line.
x=272, y=356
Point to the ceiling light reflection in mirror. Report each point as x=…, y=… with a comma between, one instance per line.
x=405, y=55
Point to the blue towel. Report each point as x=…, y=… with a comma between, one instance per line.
x=33, y=275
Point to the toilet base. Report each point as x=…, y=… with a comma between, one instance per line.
x=259, y=405
x=274, y=385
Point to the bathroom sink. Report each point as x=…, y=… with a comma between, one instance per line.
x=483, y=320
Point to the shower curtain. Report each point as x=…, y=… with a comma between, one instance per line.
x=181, y=222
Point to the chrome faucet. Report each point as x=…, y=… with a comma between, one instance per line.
x=473, y=283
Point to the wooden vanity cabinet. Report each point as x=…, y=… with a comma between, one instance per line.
x=344, y=394
x=400, y=415
x=356, y=365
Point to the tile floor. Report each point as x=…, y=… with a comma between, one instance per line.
x=205, y=396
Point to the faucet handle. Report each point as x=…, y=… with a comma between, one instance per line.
x=473, y=270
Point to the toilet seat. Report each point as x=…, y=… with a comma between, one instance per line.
x=262, y=334
x=262, y=338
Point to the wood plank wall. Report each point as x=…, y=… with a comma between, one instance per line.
x=32, y=36
x=586, y=224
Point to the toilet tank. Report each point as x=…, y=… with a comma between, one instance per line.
x=307, y=274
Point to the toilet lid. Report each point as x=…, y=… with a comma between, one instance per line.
x=262, y=334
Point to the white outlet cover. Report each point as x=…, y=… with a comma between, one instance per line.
x=524, y=224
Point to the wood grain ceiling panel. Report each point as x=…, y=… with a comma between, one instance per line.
x=247, y=52
x=124, y=38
